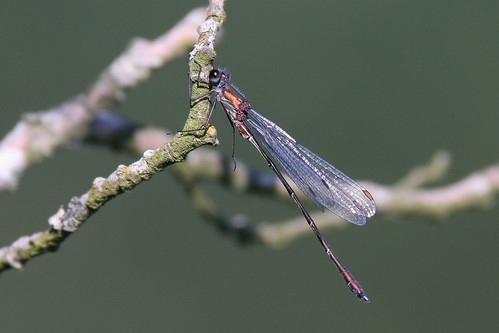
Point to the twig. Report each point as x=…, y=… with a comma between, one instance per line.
x=406, y=197
x=43, y=132
x=475, y=190
x=38, y=134
x=68, y=220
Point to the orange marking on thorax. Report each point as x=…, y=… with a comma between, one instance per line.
x=235, y=101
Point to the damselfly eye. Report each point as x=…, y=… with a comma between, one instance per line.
x=214, y=77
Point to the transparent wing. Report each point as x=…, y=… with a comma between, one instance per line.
x=325, y=185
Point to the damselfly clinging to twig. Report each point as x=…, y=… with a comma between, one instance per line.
x=325, y=185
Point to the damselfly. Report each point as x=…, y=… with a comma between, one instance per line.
x=325, y=185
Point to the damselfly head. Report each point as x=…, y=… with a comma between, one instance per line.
x=219, y=77
x=214, y=78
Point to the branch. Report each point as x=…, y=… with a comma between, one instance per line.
x=66, y=221
x=404, y=198
x=38, y=134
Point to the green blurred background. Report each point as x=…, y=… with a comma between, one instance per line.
x=374, y=87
